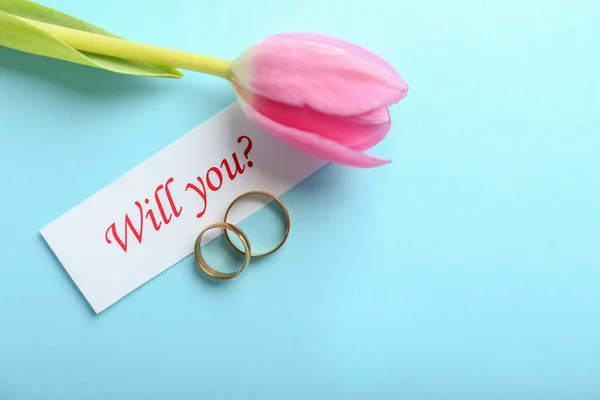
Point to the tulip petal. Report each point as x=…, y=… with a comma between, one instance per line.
x=329, y=78
x=335, y=42
x=348, y=131
x=311, y=143
x=375, y=138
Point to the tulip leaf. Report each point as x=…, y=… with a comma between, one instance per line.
x=17, y=34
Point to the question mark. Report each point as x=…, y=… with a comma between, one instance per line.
x=248, y=148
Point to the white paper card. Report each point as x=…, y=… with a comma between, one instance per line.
x=148, y=219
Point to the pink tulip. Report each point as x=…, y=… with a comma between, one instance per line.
x=322, y=95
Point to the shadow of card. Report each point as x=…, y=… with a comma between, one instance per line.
x=64, y=272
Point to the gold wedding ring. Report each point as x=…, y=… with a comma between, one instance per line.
x=247, y=252
x=283, y=207
x=207, y=268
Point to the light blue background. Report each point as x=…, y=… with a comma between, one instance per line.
x=466, y=269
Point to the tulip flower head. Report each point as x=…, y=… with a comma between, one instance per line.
x=319, y=94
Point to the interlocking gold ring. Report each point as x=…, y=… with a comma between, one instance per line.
x=207, y=268
x=283, y=207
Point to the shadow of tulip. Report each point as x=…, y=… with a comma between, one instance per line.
x=195, y=97
x=74, y=77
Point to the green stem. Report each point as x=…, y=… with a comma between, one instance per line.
x=120, y=48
